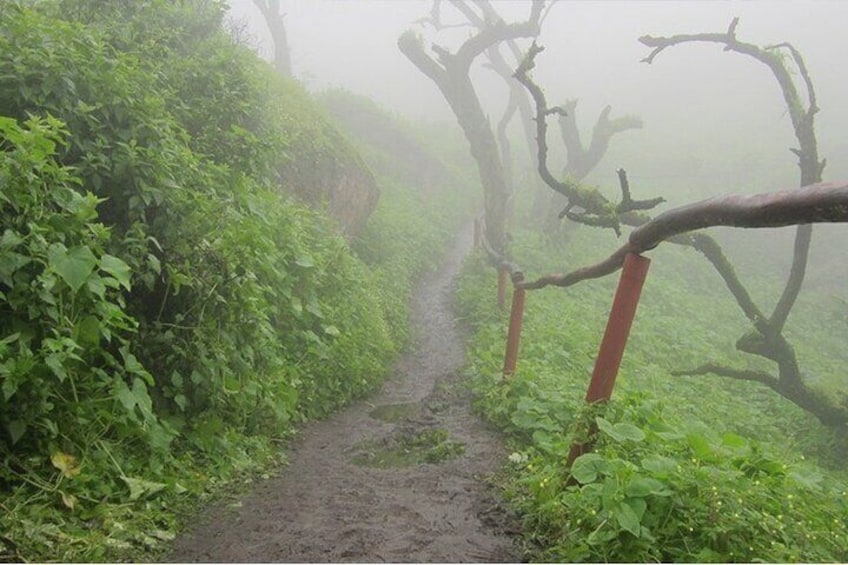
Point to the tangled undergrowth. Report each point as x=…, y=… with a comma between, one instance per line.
x=168, y=314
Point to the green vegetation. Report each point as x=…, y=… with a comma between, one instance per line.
x=686, y=468
x=167, y=313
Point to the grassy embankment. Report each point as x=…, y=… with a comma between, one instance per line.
x=686, y=468
x=167, y=313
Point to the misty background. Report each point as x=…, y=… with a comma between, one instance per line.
x=714, y=122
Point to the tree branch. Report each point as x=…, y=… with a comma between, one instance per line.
x=411, y=45
x=598, y=210
x=710, y=249
x=500, y=31
x=823, y=202
x=731, y=43
x=722, y=371
x=627, y=203
x=803, y=124
x=521, y=74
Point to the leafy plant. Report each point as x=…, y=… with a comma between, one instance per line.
x=683, y=470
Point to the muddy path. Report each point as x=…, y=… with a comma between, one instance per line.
x=399, y=477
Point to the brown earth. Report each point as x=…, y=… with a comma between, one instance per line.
x=400, y=477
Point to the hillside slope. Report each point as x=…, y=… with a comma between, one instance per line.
x=168, y=314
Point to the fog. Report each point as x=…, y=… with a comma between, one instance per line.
x=693, y=96
x=715, y=121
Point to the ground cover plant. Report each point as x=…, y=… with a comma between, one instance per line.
x=169, y=313
x=686, y=468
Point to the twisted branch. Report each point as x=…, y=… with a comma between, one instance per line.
x=823, y=202
x=597, y=209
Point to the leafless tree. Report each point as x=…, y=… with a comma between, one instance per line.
x=450, y=71
x=274, y=19
x=815, y=202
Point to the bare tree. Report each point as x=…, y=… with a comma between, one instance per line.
x=595, y=208
x=814, y=203
x=451, y=73
x=581, y=160
x=276, y=25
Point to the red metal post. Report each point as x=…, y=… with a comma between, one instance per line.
x=502, y=276
x=514, y=334
x=615, y=337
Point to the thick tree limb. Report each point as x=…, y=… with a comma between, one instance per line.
x=823, y=202
x=276, y=25
x=803, y=124
x=498, y=32
x=582, y=159
x=497, y=62
x=710, y=249
x=794, y=391
x=501, y=262
x=451, y=74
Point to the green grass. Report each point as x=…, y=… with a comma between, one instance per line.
x=648, y=493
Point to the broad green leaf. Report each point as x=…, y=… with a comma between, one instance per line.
x=305, y=261
x=585, y=468
x=659, y=465
x=629, y=432
x=55, y=362
x=639, y=505
x=124, y=395
x=700, y=445
x=735, y=441
x=643, y=486
x=605, y=426
x=11, y=338
x=627, y=518
x=96, y=286
x=10, y=263
x=620, y=432
x=74, y=265
x=297, y=306
x=16, y=429
x=134, y=366
x=10, y=239
x=117, y=268
x=87, y=331
x=153, y=262
x=140, y=487
x=602, y=535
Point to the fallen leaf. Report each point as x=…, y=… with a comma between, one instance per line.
x=66, y=463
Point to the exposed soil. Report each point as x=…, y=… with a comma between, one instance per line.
x=400, y=477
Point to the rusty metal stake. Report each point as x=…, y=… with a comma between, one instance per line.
x=513, y=336
x=615, y=338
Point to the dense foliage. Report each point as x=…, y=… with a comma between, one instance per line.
x=166, y=312
x=686, y=468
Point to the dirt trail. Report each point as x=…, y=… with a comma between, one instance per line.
x=397, y=478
